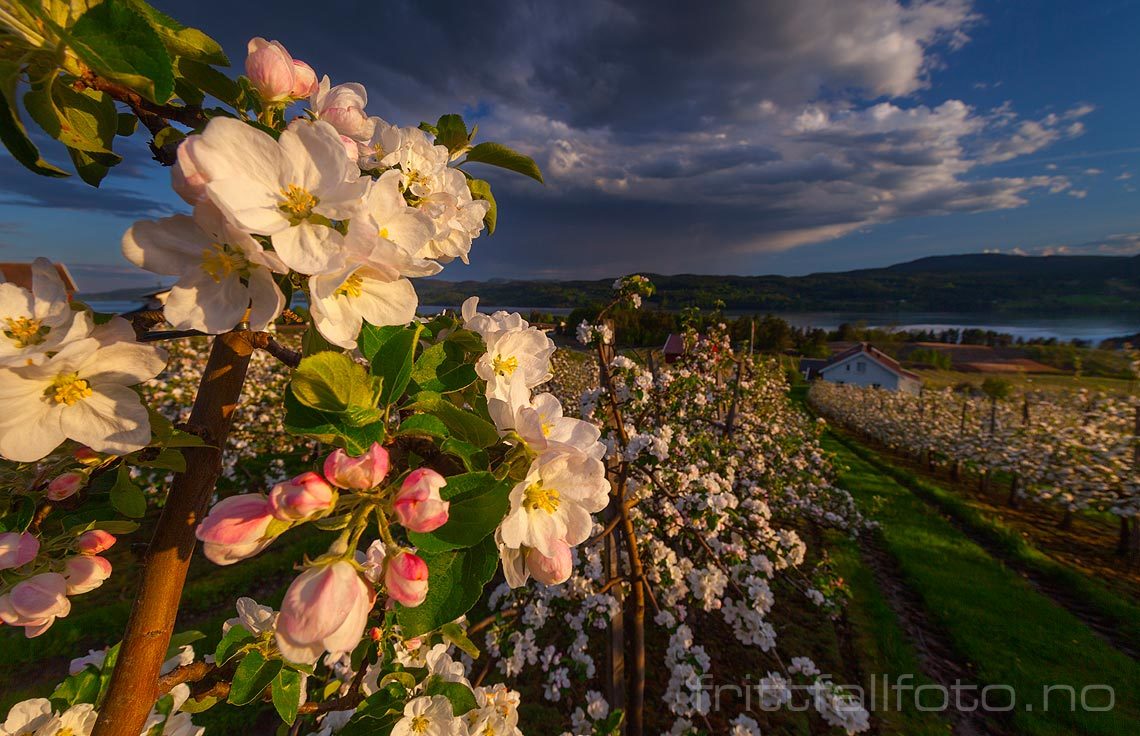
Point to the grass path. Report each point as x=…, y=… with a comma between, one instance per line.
x=1007, y=632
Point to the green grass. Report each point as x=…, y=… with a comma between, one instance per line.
x=1069, y=382
x=880, y=643
x=1010, y=634
x=1123, y=613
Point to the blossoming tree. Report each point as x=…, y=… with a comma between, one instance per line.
x=437, y=460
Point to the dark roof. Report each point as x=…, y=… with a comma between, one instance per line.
x=20, y=274
x=674, y=345
x=887, y=361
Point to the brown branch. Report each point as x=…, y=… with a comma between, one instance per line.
x=133, y=688
x=500, y=616
x=265, y=341
x=193, y=672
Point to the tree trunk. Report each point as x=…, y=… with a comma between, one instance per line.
x=635, y=670
x=133, y=688
x=1124, y=544
x=615, y=656
x=1013, y=484
x=1066, y=520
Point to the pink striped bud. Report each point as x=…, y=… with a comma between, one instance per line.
x=65, y=485
x=301, y=497
x=406, y=576
x=95, y=541
x=270, y=69
x=324, y=610
x=357, y=473
x=551, y=570
x=17, y=549
x=236, y=528
x=418, y=505
x=304, y=80
x=35, y=603
x=85, y=573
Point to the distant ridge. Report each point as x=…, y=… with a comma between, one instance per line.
x=989, y=282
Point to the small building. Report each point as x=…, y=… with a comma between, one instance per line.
x=674, y=348
x=20, y=274
x=810, y=367
x=865, y=365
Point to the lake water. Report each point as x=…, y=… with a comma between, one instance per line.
x=1090, y=328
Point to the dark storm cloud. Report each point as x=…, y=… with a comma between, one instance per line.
x=676, y=136
x=20, y=187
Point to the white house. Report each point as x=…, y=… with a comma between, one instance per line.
x=863, y=365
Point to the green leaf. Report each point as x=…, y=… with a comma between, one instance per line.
x=334, y=382
x=496, y=154
x=435, y=370
x=451, y=132
x=209, y=80
x=330, y=427
x=481, y=189
x=313, y=342
x=391, y=351
x=181, y=639
x=478, y=504
x=197, y=706
x=236, y=638
x=114, y=526
x=252, y=676
x=473, y=458
x=86, y=121
x=286, y=692
x=463, y=424
x=118, y=43
x=82, y=687
x=456, y=580
x=455, y=634
x=127, y=124
x=461, y=697
x=93, y=167
x=12, y=131
x=127, y=498
x=189, y=43
x=168, y=459
x=424, y=425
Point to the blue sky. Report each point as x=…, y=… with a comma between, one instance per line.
x=737, y=137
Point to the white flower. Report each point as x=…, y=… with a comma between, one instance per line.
x=384, y=222
x=78, y=720
x=365, y=288
x=542, y=426
x=342, y=106
x=223, y=270
x=94, y=657
x=525, y=352
x=485, y=324
x=289, y=189
x=439, y=662
x=26, y=717
x=429, y=717
x=555, y=501
x=80, y=393
x=256, y=618
x=35, y=323
x=383, y=148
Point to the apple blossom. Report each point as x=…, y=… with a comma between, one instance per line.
x=256, y=618
x=17, y=549
x=406, y=577
x=418, y=505
x=301, y=497
x=78, y=720
x=553, y=504
x=343, y=107
x=324, y=610
x=289, y=189
x=27, y=717
x=35, y=603
x=383, y=148
x=429, y=716
x=35, y=323
x=225, y=275
x=554, y=569
x=304, y=80
x=525, y=351
x=95, y=541
x=85, y=573
x=65, y=485
x=359, y=473
x=80, y=393
x=236, y=527
x=270, y=70
x=186, y=179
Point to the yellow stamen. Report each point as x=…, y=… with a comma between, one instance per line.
x=420, y=724
x=546, y=427
x=504, y=366
x=24, y=331
x=297, y=203
x=353, y=286
x=383, y=233
x=68, y=388
x=536, y=497
x=220, y=261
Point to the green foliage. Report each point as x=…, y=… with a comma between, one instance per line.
x=12, y=131
x=456, y=582
x=118, y=43
x=496, y=154
x=127, y=498
x=253, y=674
x=390, y=351
x=286, y=694
x=481, y=189
x=478, y=503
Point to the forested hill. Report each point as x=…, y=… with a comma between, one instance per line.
x=962, y=283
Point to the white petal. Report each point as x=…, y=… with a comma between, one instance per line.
x=250, y=207
x=386, y=303
x=112, y=419
x=309, y=248
x=266, y=300
x=200, y=303
x=172, y=245
x=123, y=363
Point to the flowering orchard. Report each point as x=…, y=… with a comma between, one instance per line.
x=1076, y=450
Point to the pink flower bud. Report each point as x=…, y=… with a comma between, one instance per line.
x=95, y=541
x=324, y=610
x=349, y=121
x=270, y=69
x=186, y=179
x=236, y=528
x=351, y=148
x=86, y=455
x=358, y=473
x=35, y=603
x=17, y=549
x=551, y=570
x=300, y=498
x=65, y=485
x=304, y=80
x=85, y=573
x=418, y=504
x=406, y=576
